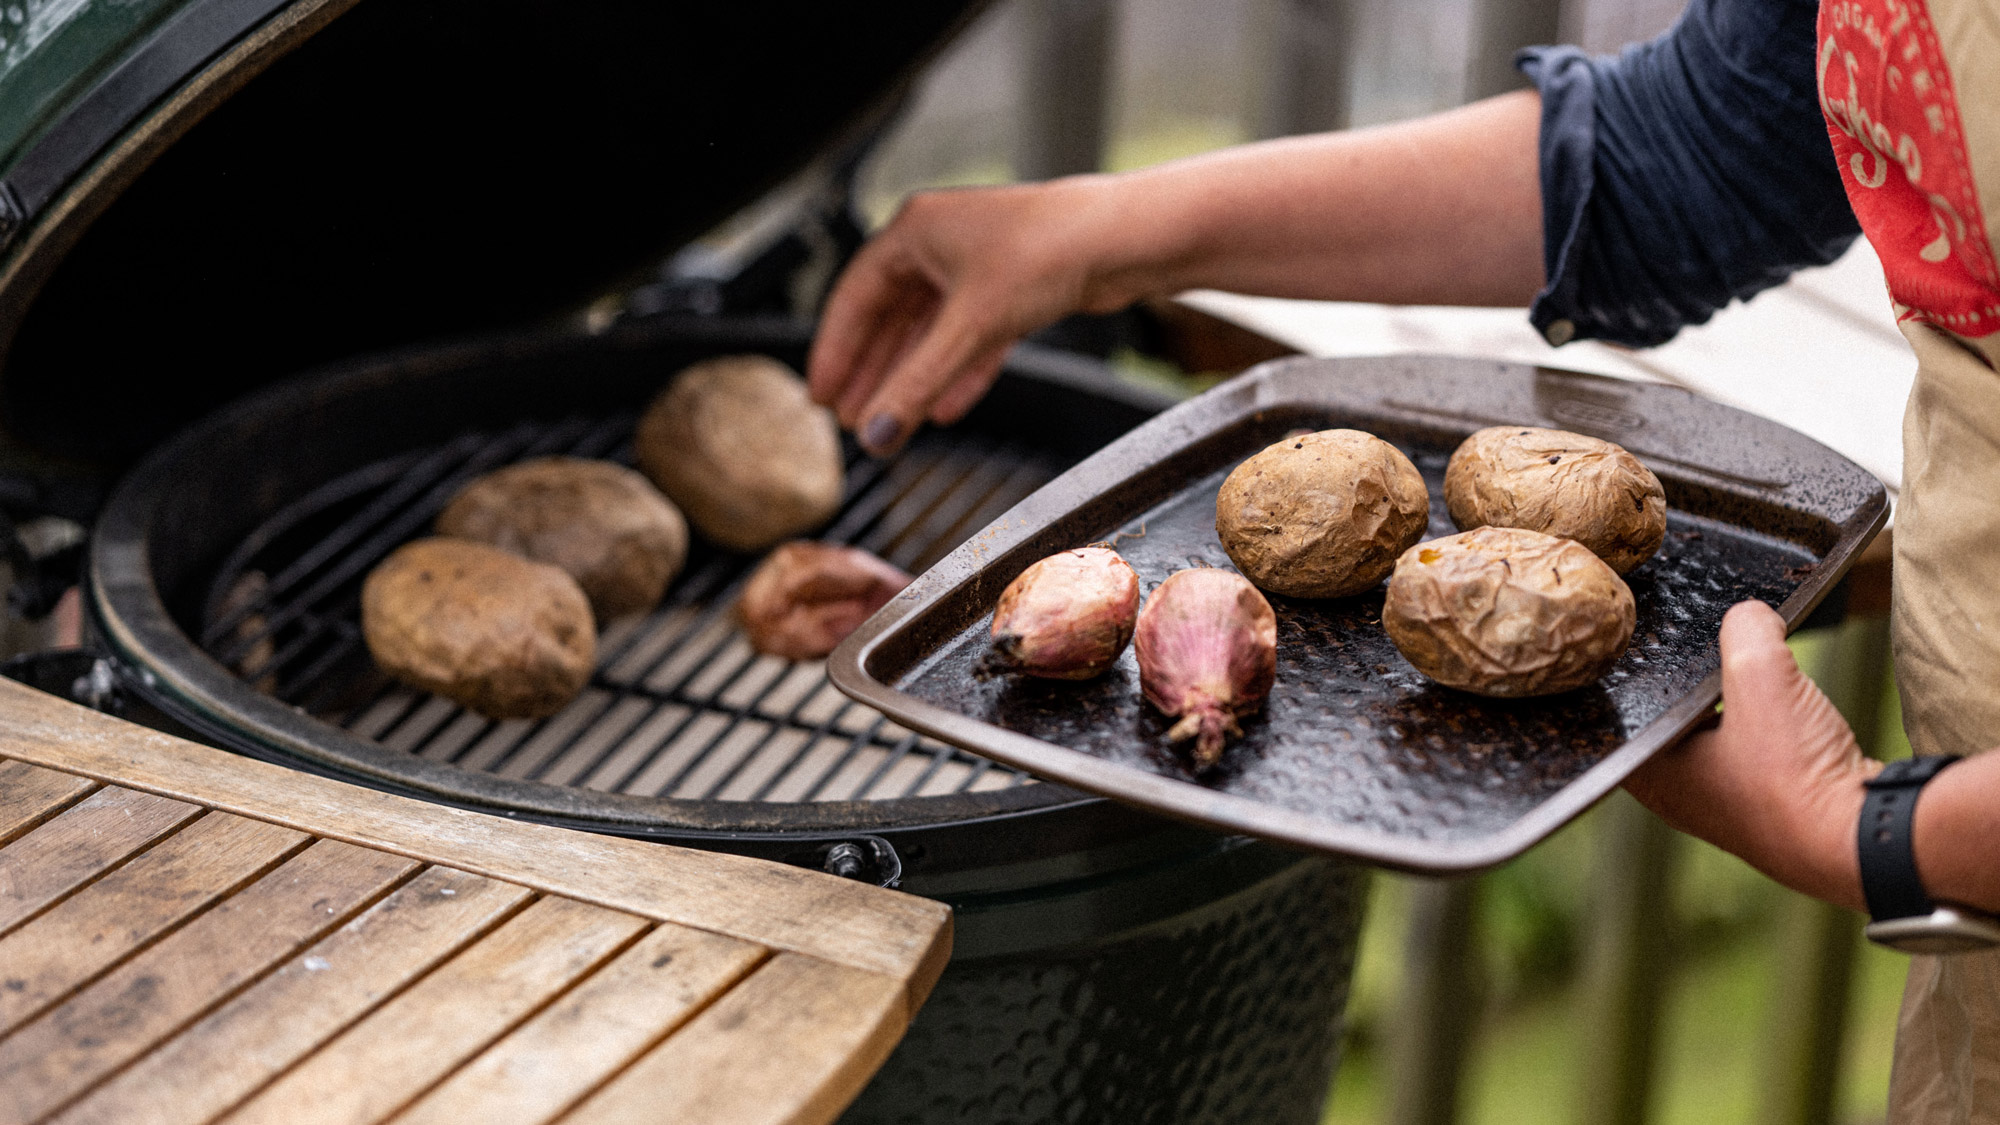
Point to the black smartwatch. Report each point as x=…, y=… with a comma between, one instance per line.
x=1901, y=915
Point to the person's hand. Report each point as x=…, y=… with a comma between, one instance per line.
x=1779, y=782
x=920, y=322
x=1442, y=210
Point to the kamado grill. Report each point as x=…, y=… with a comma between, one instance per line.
x=200, y=198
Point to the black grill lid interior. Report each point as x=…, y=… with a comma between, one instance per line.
x=428, y=167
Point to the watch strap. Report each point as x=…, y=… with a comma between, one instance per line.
x=1885, y=842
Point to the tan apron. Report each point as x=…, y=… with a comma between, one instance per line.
x=1947, y=638
x=1911, y=92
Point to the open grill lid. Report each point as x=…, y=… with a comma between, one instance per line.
x=198, y=196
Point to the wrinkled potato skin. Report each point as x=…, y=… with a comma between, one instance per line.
x=739, y=446
x=1506, y=612
x=508, y=638
x=602, y=523
x=1321, y=515
x=1561, y=483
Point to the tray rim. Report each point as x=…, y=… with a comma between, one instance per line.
x=1142, y=451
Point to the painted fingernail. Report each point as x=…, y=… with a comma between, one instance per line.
x=881, y=433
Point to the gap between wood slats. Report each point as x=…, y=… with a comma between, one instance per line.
x=30, y=795
x=80, y=845
x=96, y=929
x=381, y=1064
x=235, y=1051
x=592, y=1032
x=794, y=1043
x=59, y=1056
x=766, y=903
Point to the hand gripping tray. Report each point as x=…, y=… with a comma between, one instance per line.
x=1355, y=752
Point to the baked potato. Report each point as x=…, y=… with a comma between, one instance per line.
x=1508, y=612
x=602, y=523
x=490, y=630
x=1321, y=515
x=1564, y=484
x=748, y=457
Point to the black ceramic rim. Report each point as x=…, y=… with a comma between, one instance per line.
x=1821, y=500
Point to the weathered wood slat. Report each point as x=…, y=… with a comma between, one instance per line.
x=599, y=1026
x=237, y=1049
x=97, y=927
x=413, y=1041
x=794, y=1043
x=61, y=1054
x=767, y=904
x=78, y=845
x=31, y=794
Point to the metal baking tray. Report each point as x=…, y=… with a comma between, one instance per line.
x=1355, y=752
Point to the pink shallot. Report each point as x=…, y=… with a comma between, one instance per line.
x=1208, y=653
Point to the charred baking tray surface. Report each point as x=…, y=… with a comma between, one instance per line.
x=1356, y=752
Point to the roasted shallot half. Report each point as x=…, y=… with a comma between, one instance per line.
x=806, y=597
x=1067, y=617
x=1208, y=651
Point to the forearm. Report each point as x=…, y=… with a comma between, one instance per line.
x=1442, y=210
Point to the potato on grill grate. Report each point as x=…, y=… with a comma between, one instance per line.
x=602, y=523
x=508, y=638
x=737, y=444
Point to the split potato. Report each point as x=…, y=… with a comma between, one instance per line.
x=736, y=442
x=1565, y=484
x=492, y=631
x=1508, y=612
x=1321, y=515
x=602, y=523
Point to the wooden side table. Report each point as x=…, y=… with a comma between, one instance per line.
x=190, y=936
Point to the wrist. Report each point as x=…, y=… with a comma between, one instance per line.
x=1112, y=226
x=1956, y=834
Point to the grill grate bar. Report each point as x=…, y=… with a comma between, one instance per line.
x=925, y=533
x=716, y=573
x=679, y=705
x=939, y=759
x=1025, y=478
x=790, y=720
x=932, y=499
x=388, y=529
x=636, y=685
x=662, y=744
x=894, y=758
x=818, y=734
x=521, y=441
x=404, y=482
x=627, y=691
x=736, y=717
x=854, y=747
x=888, y=487
x=347, y=638
x=982, y=766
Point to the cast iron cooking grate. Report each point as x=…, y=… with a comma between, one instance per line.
x=679, y=705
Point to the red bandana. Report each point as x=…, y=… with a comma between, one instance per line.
x=1893, y=116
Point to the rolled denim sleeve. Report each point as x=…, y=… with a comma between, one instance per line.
x=1682, y=173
